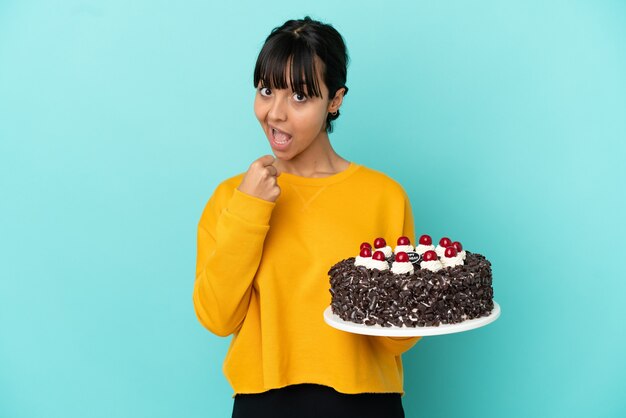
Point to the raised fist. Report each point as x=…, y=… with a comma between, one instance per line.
x=260, y=179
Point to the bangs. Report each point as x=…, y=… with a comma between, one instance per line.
x=287, y=62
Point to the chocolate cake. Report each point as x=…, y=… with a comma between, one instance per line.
x=421, y=288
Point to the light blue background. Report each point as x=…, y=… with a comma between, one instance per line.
x=504, y=120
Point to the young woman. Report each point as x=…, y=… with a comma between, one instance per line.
x=268, y=237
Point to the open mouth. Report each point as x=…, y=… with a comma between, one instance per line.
x=279, y=138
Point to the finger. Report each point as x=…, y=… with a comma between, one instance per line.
x=272, y=170
x=276, y=168
x=266, y=160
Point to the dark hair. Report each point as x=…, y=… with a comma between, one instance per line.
x=296, y=44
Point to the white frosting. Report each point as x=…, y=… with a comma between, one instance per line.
x=379, y=265
x=463, y=254
x=402, y=267
x=457, y=260
x=403, y=248
x=363, y=261
x=433, y=265
x=440, y=250
x=386, y=250
x=421, y=248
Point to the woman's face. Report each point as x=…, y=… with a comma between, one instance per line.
x=291, y=120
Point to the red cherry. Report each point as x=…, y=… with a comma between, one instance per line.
x=365, y=245
x=378, y=255
x=404, y=241
x=445, y=242
x=366, y=252
x=430, y=256
x=458, y=246
x=426, y=240
x=402, y=257
x=380, y=243
x=450, y=252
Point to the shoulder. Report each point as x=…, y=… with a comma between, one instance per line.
x=229, y=185
x=377, y=180
x=223, y=192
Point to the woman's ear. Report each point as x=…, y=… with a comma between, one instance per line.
x=335, y=103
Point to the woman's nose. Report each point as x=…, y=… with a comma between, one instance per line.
x=278, y=110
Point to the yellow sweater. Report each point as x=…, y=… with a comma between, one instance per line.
x=262, y=275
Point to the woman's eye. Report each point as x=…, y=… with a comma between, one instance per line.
x=265, y=91
x=299, y=97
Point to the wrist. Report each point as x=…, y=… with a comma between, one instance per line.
x=250, y=208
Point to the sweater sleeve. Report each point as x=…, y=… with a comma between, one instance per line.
x=230, y=246
x=399, y=345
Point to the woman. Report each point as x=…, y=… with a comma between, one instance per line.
x=267, y=238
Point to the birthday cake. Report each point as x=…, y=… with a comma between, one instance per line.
x=411, y=286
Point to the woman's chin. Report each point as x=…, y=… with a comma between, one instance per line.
x=282, y=154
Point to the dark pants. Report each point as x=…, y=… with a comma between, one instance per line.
x=309, y=400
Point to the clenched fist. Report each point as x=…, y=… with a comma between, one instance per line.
x=260, y=179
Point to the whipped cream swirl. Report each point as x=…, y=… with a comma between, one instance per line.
x=363, y=261
x=404, y=249
x=385, y=250
x=457, y=260
x=379, y=264
x=398, y=267
x=433, y=265
x=421, y=248
x=440, y=250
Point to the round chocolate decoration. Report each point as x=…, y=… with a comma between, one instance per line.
x=414, y=258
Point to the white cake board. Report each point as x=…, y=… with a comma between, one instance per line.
x=377, y=330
